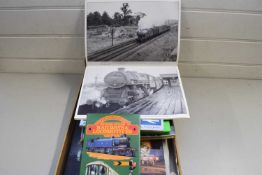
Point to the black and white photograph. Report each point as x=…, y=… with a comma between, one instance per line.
x=154, y=92
x=132, y=30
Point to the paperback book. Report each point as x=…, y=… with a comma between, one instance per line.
x=111, y=145
x=132, y=55
x=158, y=157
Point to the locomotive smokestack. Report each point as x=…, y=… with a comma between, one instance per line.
x=121, y=69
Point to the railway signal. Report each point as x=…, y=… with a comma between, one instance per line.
x=131, y=164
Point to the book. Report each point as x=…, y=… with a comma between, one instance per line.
x=152, y=158
x=111, y=145
x=72, y=163
x=132, y=56
x=152, y=125
x=158, y=157
x=155, y=126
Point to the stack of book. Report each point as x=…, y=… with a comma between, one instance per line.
x=123, y=144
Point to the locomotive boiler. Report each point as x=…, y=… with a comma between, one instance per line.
x=149, y=33
x=125, y=87
x=114, y=146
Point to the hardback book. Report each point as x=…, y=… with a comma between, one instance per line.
x=111, y=145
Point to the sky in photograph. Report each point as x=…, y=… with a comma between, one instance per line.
x=156, y=12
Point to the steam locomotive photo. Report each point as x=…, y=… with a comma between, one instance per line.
x=149, y=33
x=114, y=146
x=125, y=87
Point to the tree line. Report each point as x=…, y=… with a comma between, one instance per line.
x=123, y=18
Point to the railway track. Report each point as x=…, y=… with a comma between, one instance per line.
x=114, y=51
x=127, y=55
x=120, y=51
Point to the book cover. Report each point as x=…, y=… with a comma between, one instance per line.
x=158, y=157
x=152, y=158
x=152, y=125
x=111, y=145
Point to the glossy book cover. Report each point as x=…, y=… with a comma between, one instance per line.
x=111, y=145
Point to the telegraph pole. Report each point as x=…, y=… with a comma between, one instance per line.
x=112, y=34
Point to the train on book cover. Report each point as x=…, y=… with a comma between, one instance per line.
x=113, y=146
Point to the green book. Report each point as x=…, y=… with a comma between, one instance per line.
x=111, y=145
x=149, y=127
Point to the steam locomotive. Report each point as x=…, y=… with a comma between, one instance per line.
x=114, y=146
x=149, y=33
x=125, y=87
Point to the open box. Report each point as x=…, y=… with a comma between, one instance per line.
x=67, y=163
x=131, y=66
